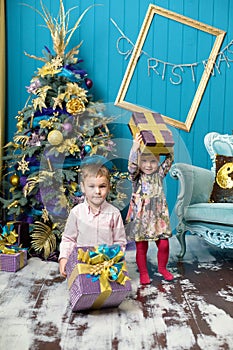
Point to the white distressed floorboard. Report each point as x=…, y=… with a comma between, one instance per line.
x=193, y=312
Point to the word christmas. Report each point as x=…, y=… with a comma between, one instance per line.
x=161, y=68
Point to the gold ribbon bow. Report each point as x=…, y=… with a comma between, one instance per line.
x=7, y=238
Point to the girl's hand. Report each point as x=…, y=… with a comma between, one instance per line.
x=62, y=266
x=137, y=141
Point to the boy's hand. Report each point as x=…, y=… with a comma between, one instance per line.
x=137, y=141
x=62, y=266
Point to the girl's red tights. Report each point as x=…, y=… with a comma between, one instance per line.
x=163, y=254
x=141, y=260
x=141, y=251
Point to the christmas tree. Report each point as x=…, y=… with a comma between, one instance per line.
x=59, y=128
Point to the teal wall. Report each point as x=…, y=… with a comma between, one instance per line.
x=106, y=66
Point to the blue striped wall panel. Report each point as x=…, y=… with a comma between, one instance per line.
x=106, y=66
x=228, y=26
x=13, y=87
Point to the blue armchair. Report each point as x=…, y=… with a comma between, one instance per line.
x=211, y=221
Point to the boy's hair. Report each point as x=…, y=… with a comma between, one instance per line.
x=96, y=170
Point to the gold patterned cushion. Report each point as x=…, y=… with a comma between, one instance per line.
x=223, y=186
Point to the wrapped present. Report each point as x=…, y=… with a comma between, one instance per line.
x=21, y=228
x=97, y=277
x=156, y=136
x=12, y=259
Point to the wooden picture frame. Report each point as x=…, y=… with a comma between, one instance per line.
x=152, y=10
x=2, y=81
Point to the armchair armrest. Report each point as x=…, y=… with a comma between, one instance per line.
x=195, y=185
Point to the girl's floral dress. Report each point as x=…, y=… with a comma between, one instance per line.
x=148, y=216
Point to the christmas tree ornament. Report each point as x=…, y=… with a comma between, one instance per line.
x=89, y=83
x=87, y=147
x=45, y=215
x=73, y=185
x=55, y=137
x=21, y=139
x=14, y=180
x=34, y=85
x=41, y=233
x=34, y=140
x=75, y=106
x=68, y=127
x=19, y=125
x=57, y=102
x=23, y=165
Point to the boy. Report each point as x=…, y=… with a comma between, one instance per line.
x=95, y=221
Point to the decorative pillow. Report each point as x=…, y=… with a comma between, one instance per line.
x=223, y=186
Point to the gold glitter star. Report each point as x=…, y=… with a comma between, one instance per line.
x=57, y=102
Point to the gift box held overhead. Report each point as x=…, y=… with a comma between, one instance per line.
x=157, y=138
x=97, y=277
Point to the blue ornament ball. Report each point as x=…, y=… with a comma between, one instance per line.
x=87, y=148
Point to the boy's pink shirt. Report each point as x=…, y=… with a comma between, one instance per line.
x=83, y=228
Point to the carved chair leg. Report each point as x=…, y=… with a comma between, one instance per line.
x=181, y=238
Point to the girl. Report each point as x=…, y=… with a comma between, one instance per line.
x=148, y=217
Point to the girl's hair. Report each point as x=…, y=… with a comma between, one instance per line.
x=96, y=170
x=147, y=153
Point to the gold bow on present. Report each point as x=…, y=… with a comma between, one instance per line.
x=7, y=238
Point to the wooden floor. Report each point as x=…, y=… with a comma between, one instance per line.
x=195, y=311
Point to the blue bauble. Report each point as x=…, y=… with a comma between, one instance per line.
x=87, y=148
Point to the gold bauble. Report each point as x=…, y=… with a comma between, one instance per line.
x=55, y=137
x=14, y=180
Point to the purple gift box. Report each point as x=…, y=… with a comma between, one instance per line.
x=155, y=134
x=13, y=262
x=84, y=292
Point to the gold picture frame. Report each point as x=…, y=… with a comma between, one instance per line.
x=2, y=81
x=152, y=10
